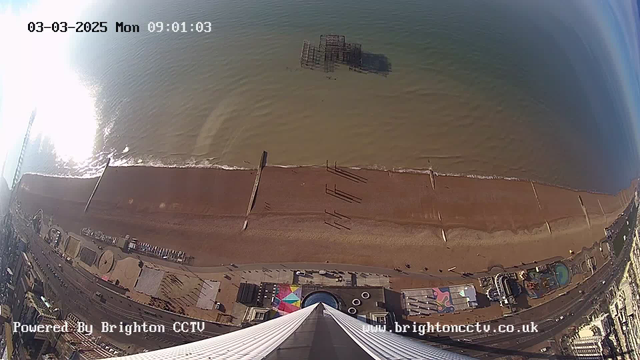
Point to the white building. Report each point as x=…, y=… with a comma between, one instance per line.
x=588, y=347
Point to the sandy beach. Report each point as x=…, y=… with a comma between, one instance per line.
x=366, y=217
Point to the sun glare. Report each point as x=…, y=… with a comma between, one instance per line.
x=35, y=73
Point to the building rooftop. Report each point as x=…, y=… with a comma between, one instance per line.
x=446, y=299
x=5, y=311
x=371, y=303
x=288, y=298
x=38, y=303
x=86, y=346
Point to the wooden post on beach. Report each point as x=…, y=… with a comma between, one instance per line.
x=584, y=210
x=252, y=199
x=535, y=193
x=603, y=213
x=432, y=178
x=444, y=235
x=86, y=208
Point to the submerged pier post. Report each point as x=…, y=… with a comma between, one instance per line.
x=86, y=208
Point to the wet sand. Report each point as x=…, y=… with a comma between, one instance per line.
x=383, y=218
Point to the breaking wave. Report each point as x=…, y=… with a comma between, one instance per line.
x=96, y=166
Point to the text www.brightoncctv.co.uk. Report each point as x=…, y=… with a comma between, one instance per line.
x=422, y=329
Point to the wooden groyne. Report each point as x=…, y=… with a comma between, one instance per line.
x=252, y=199
x=535, y=193
x=584, y=210
x=86, y=208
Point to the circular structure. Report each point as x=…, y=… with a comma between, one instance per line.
x=356, y=302
x=365, y=295
x=562, y=274
x=320, y=297
x=583, y=266
x=105, y=262
x=352, y=310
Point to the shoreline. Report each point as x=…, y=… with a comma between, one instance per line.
x=392, y=218
x=206, y=165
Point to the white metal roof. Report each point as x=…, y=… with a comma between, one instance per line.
x=257, y=342
x=387, y=345
x=254, y=342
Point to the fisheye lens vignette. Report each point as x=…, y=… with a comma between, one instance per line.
x=306, y=180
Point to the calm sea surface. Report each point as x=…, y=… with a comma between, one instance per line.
x=479, y=88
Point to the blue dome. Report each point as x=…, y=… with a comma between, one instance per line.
x=320, y=297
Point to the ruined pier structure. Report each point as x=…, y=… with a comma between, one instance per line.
x=332, y=50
